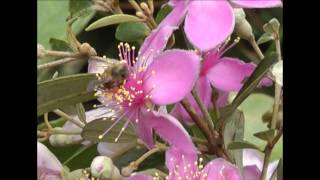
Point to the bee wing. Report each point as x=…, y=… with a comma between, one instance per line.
x=96, y=66
x=94, y=84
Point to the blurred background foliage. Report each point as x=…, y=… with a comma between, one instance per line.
x=51, y=33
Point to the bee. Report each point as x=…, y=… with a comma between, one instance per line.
x=112, y=76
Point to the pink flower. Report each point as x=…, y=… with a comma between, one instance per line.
x=155, y=78
x=252, y=165
x=208, y=23
x=181, y=157
x=48, y=166
x=224, y=73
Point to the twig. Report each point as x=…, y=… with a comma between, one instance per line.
x=213, y=138
x=69, y=118
x=203, y=109
x=46, y=121
x=56, y=63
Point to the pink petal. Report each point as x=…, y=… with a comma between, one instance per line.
x=144, y=131
x=180, y=113
x=252, y=157
x=140, y=177
x=271, y=168
x=158, y=38
x=211, y=58
x=48, y=166
x=220, y=169
x=177, y=160
x=229, y=74
x=112, y=149
x=251, y=173
x=170, y=130
x=257, y=3
x=204, y=90
x=175, y=72
x=209, y=23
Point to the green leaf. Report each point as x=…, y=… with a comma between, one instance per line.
x=95, y=128
x=59, y=45
x=197, y=132
x=82, y=159
x=163, y=12
x=253, y=108
x=234, y=131
x=51, y=20
x=265, y=135
x=77, y=5
x=265, y=38
x=62, y=91
x=252, y=82
x=79, y=151
x=243, y=145
x=81, y=113
x=272, y=26
x=132, y=31
x=113, y=19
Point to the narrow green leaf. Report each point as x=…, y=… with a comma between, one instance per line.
x=62, y=91
x=81, y=113
x=252, y=82
x=77, y=153
x=77, y=5
x=95, y=128
x=243, y=145
x=132, y=31
x=265, y=135
x=113, y=19
x=59, y=45
x=163, y=12
x=234, y=131
x=265, y=38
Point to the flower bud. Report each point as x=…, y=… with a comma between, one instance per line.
x=102, y=167
x=127, y=171
x=86, y=49
x=40, y=51
x=60, y=140
x=239, y=15
x=242, y=27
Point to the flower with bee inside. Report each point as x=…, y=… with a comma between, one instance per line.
x=158, y=79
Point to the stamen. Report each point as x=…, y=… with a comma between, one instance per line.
x=230, y=46
x=122, y=130
x=113, y=124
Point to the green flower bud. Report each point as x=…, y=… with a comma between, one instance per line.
x=60, y=140
x=40, y=51
x=242, y=27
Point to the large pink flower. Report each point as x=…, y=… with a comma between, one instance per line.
x=159, y=78
x=224, y=73
x=181, y=157
x=208, y=23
